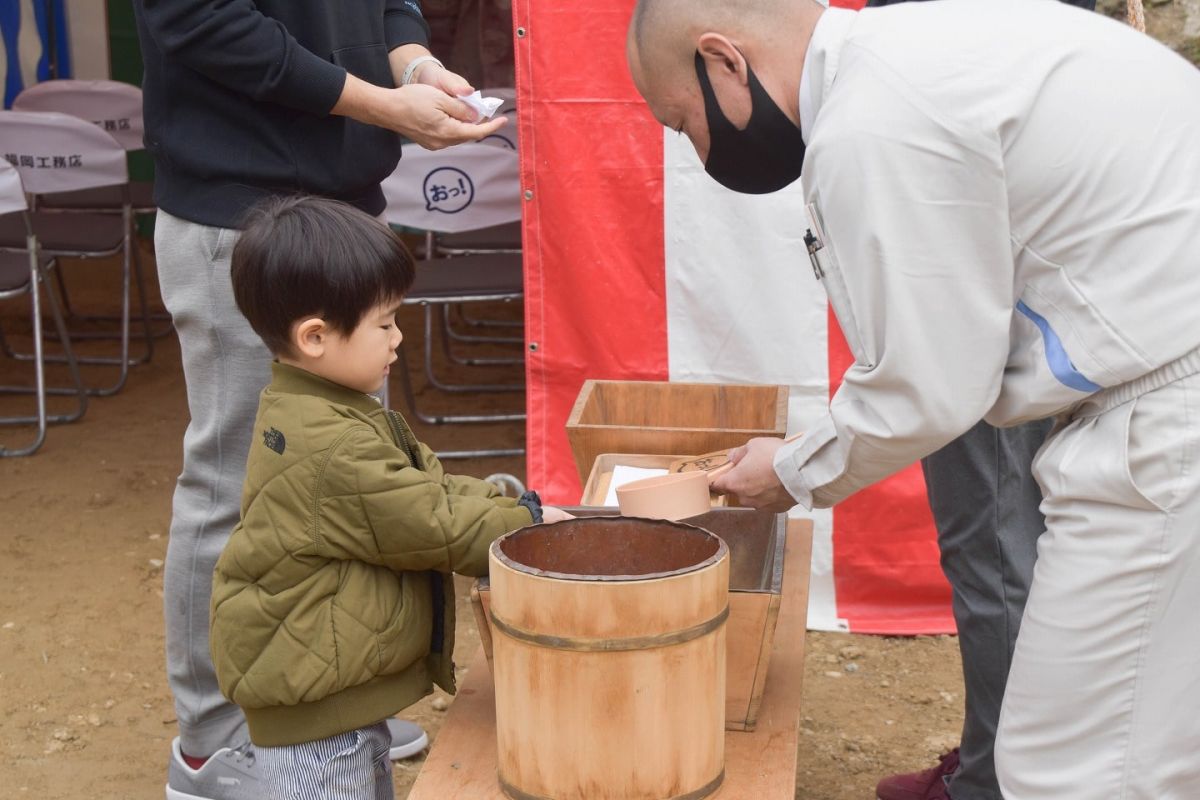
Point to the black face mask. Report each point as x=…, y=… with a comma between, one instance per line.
x=765, y=156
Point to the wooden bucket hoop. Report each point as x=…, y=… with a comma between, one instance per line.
x=582, y=645
x=703, y=791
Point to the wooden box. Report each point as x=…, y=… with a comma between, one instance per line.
x=661, y=417
x=756, y=545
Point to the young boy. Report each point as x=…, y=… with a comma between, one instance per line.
x=333, y=602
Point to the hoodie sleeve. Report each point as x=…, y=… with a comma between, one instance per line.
x=234, y=44
x=911, y=215
x=403, y=24
x=376, y=507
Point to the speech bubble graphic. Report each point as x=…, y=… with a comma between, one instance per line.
x=448, y=189
x=500, y=141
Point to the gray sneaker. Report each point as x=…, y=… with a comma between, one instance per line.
x=229, y=774
x=408, y=738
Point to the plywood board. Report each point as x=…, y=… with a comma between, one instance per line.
x=759, y=764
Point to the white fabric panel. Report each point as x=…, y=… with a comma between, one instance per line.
x=459, y=189
x=60, y=153
x=12, y=195
x=743, y=306
x=115, y=108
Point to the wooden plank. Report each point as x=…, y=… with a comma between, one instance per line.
x=744, y=645
x=759, y=764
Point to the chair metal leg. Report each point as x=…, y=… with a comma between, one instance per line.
x=456, y=388
x=448, y=334
x=444, y=419
x=42, y=419
x=150, y=334
x=468, y=338
x=448, y=455
x=444, y=455
x=474, y=322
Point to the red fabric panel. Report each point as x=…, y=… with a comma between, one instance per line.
x=886, y=570
x=591, y=153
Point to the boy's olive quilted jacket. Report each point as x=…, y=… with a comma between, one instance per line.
x=333, y=603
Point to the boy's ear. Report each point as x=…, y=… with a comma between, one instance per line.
x=308, y=337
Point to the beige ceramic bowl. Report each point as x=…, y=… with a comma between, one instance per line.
x=669, y=497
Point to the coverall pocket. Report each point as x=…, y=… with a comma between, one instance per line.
x=1090, y=458
x=828, y=271
x=1161, y=444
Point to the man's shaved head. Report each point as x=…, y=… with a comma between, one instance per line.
x=663, y=33
x=666, y=35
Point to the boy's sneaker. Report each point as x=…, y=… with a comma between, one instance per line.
x=229, y=774
x=927, y=785
x=408, y=738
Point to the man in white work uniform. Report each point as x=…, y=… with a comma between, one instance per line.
x=1004, y=209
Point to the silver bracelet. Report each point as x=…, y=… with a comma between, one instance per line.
x=411, y=70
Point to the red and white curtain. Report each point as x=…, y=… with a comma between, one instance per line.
x=639, y=266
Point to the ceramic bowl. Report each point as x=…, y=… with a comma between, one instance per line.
x=669, y=497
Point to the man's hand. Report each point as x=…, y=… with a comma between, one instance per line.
x=752, y=479
x=425, y=114
x=552, y=514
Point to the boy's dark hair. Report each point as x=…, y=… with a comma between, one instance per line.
x=307, y=256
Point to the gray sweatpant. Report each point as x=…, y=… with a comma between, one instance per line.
x=225, y=366
x=985, y=504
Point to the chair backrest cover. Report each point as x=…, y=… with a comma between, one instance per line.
x=12, y=194
x=458, y=189
x=114, y=107
x=60, y=153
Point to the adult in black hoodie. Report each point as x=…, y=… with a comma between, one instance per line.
x=245, y=99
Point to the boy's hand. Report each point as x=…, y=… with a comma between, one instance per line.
x=552, y=514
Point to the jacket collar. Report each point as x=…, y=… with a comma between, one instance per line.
x=287, y=379
x=821, y=63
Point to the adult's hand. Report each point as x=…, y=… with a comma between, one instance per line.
x=451, y=83
x=425, y=114
x=752, y=479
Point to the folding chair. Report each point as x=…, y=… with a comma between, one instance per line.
x=55, y=153
x=463, y=188
x=116, y=108
x=24, y=273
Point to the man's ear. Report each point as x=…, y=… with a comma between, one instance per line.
x=308, y=337
x=722, y=58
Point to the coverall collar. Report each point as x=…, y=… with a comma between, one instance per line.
x=821, y=63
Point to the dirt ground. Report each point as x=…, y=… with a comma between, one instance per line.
x=84, y=705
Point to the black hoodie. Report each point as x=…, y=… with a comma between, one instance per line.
x=237, y=96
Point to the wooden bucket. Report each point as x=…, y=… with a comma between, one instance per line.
x=608, y=639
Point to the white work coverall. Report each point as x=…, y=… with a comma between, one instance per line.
x=1004, y=209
